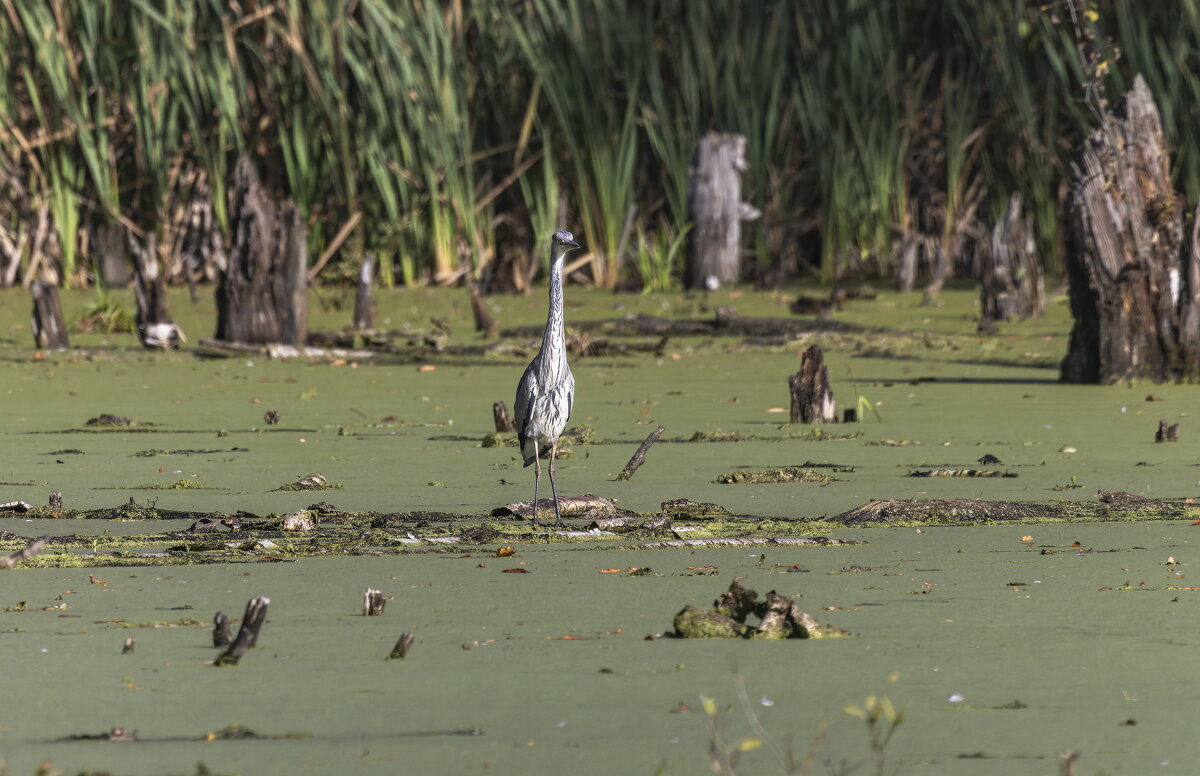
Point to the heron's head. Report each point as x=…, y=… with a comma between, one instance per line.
x=563, y=241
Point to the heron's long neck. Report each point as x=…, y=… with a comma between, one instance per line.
x=554, y=338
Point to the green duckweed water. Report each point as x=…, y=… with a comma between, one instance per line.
x=1095, y=640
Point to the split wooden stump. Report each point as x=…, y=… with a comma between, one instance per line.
x=812, y=399
x=247, y=637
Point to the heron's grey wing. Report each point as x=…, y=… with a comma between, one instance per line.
x=523, y=406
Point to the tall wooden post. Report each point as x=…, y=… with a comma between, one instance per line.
x=262, y=294
x=1011, y=275
x=716, y=209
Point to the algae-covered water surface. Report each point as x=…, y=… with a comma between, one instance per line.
x=1005, y=638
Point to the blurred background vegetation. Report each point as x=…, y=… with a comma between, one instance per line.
x=450, y=137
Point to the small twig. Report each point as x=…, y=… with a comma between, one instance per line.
x=29, y=553
x=640, y=456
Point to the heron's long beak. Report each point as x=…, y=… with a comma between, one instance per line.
x=570, y=244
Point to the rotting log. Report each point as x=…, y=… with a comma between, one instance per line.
x=49, y=328
x=812, y=399
x=247, y=637
x=1134, y=285
x=155, y=328
x=715, y=207
x=364, y=306
x=261, y=295
x=639, y=456
x=1011, y=284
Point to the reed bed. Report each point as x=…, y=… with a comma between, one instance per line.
x=448, y=138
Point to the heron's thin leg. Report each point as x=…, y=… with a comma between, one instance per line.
x=553, y=485
x=537, y=478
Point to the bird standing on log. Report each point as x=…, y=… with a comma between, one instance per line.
x=547, y=389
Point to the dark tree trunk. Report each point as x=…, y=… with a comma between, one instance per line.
x=716, y=210
x=154, y=326
x=812, y=399
x=1011, y=275
x=261, y=297
x=1133, y=284
x=364, y=308
x=108, y=243
x=49, y=329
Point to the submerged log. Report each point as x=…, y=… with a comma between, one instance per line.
x=49, y=328
x=261, y=296
x=714, y=201
x=639, y=456
x=247, y=637
x=1135, y=289
x=1011, y=274
x=812, y=399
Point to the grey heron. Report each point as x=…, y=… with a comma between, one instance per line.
x=547, y=389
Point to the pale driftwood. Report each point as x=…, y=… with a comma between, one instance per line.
x=29, y=553
x=373, y=603
x=403, y=644
x=364, y=306
x=639, y=457
x=247, y=637
x=715, y=207
x=1135, y=289
x=1011, y=272
x=587, y=505
x=503, y=420
x=262, y=294
x=49, y=328
x=812, y=399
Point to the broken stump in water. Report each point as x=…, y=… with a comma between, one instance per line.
x=1010, y=271
x=247, y=637
x=373, y=603
x=49, y=328
x=221, y=635
x=639, y=457
x=1134, y=282
x=400, y=651
x=715, y=207
x=812, y=399
x=364, y=307
x=484, y=321
x=155, y=328
x=130, y=644
x=262, y=294
x=1166, y=433
x=504, y=423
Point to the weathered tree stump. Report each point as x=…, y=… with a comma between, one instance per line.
x=1135, y=290
x=812, y=399
x=484, y=321
x=715, y=207
x=261, y=296
x=639, y=456
x=154, y=326
x=503, y=421
x=247, y=637
x=364, y=307
x=373, y=603
x=130, y=645
x=1011, y=274
x=55, y=502
x=49, y=328
x=221, y=635
x=400, y=651
x=1166, y=433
